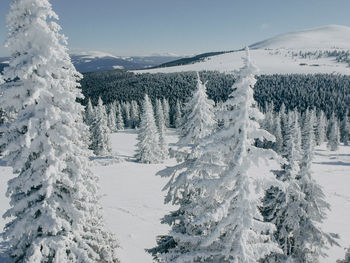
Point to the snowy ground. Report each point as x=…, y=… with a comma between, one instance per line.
x=133, y=200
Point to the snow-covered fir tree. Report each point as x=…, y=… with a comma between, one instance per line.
x=54, y=200
x=277, y=132
x=89, y=113
x=345, y=129
x=308, y=122
x=148, y=149
x=100, y=133
x=312, y=240
x=284, y=207
x=119, y=119
x=126, y=113
x=112, y=120
x=134, y=115
x=161, y=129
x=333, y=134
x=177, y=115
x=199, y=119
x=166, y=110
x=321, y=129
x=218, y=219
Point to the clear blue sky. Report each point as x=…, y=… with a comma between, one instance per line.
x=142, y=27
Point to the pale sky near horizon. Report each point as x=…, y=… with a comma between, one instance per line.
x=183, y=27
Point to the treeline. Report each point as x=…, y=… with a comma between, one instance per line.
x=327, y=92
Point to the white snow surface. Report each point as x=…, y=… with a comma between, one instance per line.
x=133, y=200
x=277, y=55
x=326, y=37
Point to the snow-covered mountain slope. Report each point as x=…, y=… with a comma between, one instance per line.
x=327, y=37
x=320, y=50
x=133, y=201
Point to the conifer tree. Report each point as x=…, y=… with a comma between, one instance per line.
x=89, y=113
x=277, y=132
x=161, y=129
x=166, y=109
x=126, y=114
x=119, y=120
x=177, y=115
x=148, y=149
x=54, y=199
x=112, y=121
x=199, y=120
x=345, y=129
x=134, y=114
x=320, y=132
x=218, y=196
x=100, y=133
x=334, y=136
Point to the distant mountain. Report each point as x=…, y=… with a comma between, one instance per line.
x=99, y=61
x=318, y=50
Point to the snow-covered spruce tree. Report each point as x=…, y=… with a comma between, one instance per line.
x=54, y=205
x=285, y=208
x=311, y=241
x=89, y=113
x=161, y=129
x=148, y=149
x=199, y=120
x=333, y=136
x=126, y=113
x=166, y=110
x=345, y=129
x=347, y=257
x=321, y=129
x=308, y=122
x=218, y=219
x=100, y=133
x=112, y=121
x=284, y=118
x=134, y=115
x=119, y=120
x=277, y=132
x=177, y=115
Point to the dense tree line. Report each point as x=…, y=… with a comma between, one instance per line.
x=327, y=92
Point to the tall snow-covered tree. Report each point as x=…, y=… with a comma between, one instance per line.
x=321, y=129
x=199, y=120
x=89, y=113
x=126, y=113
x=345, y=129
x=100, y=133
x=148, y=149
x=134, y=114
x=166, y=109
x=218, y=219
x=161, y=129
x=119, y=120
x=277, y=132
x=54, y=200
x=177, y=115
x=333, y=136
x=112, y=121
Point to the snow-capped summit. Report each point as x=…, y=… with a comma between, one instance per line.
x=326, y=37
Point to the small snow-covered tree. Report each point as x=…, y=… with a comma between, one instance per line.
x=177, y=115
x=100, y=133
x=161, y=129
x=112, y=121
x=284, y=118
x=119, y=120
x=321, y=129
x=218, y=219
x=54, y=197
x=277, y=132
x=333, y=136
x=166, y=110
x=126, y=113
x=199, y=120
x=345, y=129
x=89, y=113
x=134, y=115
x=148, y=149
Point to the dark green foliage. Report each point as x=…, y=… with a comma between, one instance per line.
x=328, y=92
